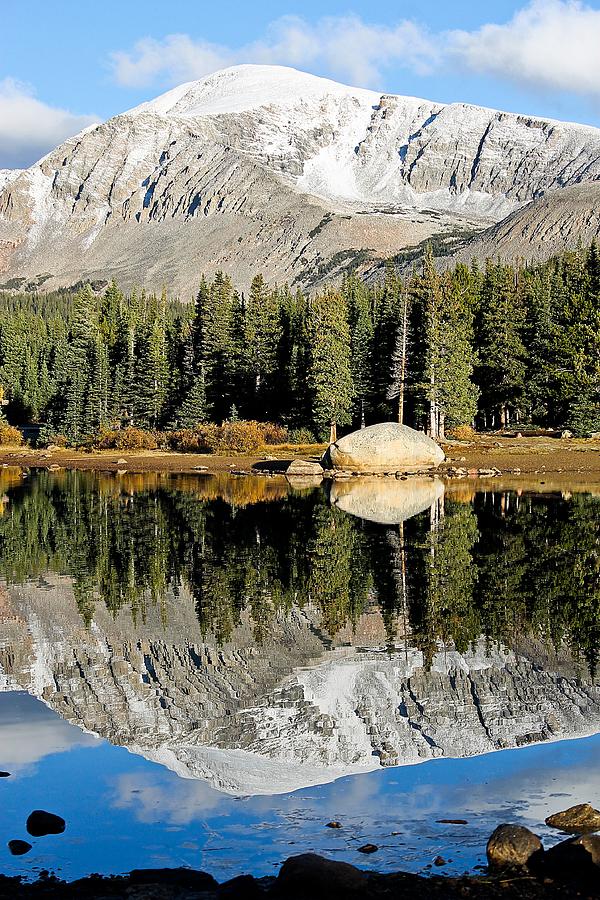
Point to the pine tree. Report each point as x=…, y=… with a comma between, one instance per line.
x=361, y=344
x=216, y=348
x=193, y=408
x=330, y=374
x=500, y=326
x=76, y=419
x=399, y=361
x=262, y=336
x=386, y=316
x=151, y=374
x=457, y=394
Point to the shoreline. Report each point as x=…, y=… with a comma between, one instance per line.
x=555, y=460
x=309, y=877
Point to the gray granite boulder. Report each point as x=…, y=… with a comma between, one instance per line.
x=387, y=447
x=301, y=468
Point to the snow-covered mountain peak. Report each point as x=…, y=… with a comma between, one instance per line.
x=247, y=87
x=266, y=168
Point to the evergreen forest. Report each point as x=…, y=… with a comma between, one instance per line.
x=493, y=347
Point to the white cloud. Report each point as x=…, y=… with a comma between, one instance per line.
x=344, y=47
x=549, y=44
x=30, y=128
x=553, y=45
x=175, y=59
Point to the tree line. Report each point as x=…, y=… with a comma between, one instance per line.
x=493, y=346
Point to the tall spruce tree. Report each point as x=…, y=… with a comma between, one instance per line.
x=330, y=372
x=500, y=326
x=262, y=331
x=362, y=335
x=75, y=419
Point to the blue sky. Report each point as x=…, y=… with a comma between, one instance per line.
x=66, y=64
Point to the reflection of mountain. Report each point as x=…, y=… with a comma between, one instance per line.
x=384, y=500
x=283, y=715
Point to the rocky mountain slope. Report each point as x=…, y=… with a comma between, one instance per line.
x=287, y=713
x=266, y=168
x=548, y=225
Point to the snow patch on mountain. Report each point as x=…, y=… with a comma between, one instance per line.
x=8, y=175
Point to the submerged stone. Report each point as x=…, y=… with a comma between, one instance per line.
x=19, y=848
x=303, y=467
x=368, y=848
x=386, y=447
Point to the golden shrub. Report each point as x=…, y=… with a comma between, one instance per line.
x=461, y=433
x=9, y=435
x=125, y=439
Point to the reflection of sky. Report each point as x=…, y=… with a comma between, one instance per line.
x=124, y=812
x=29, y=731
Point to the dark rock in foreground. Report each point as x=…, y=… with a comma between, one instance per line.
x=41, y=823
x=579, y=857
x=579, y=819
x=189, y=878
x=313, y=876
x=513, y=847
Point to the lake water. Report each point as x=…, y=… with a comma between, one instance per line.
x=204, y=671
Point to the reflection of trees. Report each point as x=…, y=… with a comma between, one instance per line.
x=502, y=566
x=338, y=575
x=539, y=568
x=444, y=606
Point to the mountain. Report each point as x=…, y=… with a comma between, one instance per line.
x=295, y=710
x=266, y=168
x=547, y=225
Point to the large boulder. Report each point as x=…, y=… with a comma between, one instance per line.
x=388, y=501
x=513, y=847
x=387, y=447
x=578, y=819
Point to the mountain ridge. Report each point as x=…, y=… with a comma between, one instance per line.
x=266, y=168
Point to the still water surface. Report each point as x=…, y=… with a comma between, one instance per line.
x=205, y=671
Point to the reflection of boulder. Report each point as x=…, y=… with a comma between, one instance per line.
x=385, y=500
x=387, y=447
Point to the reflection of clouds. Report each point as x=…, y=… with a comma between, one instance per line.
x=165, y=798
x=29, y=731
x=526, y=788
